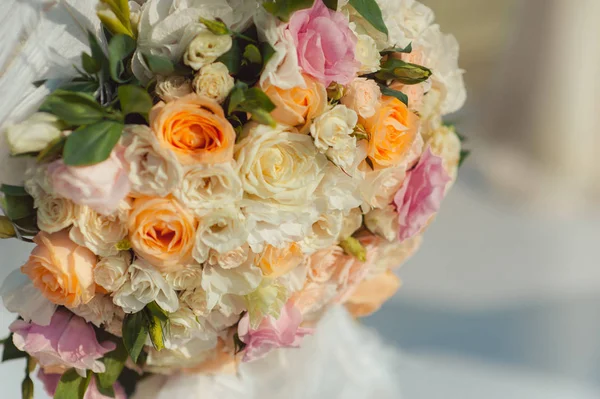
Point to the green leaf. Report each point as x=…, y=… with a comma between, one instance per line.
x=157, y=312
x=27, y=226
x=331, y=4
x=89, y=64
x=216, y=27
x=7, y=230
x=16, y=191
x=239, y=345
x=155, y=330
x=159, y=65
x=52, y=150
x=237, y=96
x=92, y=144
x=10, y=351
x=369, y=162
x=252, y=54
x=370, y=11
x=353, y=247
x=233, y=58
x=403, y=72
x=283, y=9
x=81, y=86
x=464, y=154
x=406, y=50
x=386, y=91
x=72, y=385
x=135, y=100
x=96, y=48
x=267, y=52
x=18, y=207
x=108, y=391
x=135, y=332
x=114, y=362
x=254, y=101
x=73, y=108
x=120, y=48
x=255, y=98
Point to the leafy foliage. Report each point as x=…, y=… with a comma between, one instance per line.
x=92, y=144
x=370, y=11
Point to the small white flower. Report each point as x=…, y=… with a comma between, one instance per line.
x=55, y=213
x=206, y=48
x=230, y=259
x=332, y=132
x=110, y=272
x=170, y=88
x=99, y=311
x=204, y=187
x=214, y=81
x=185, y=326
x=367, y=54
x=144, y=285
x=153, y=170
x=325, y=231
x=97, y=232
x=221, y=230
x=187, y=277
x=240, y=281
x=383, y=222
x=33, y=134
x=338, y=191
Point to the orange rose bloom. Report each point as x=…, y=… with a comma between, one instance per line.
x=61, y=269
x=298, y=106
x=391, y=131
x=195, y=128
x=275, y=262
x=372, y=293
x=162, y=232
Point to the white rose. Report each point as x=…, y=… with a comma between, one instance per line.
x=37, y=184
x=205, y=49
x=195, y=299
x=383, y=222
x=110, y=272
x=214, y=81
x=185, y=326
x=99, y=311
x=187, y=277
x=279, y=165
x=332, y=132
x=34, y=134
x=144, y=285
x=230, y=259
x=170, y=88
x=55, y=213
x=444, y=143
x=222, y=230
x=367, y=54
x=406, y=20
x=240, y=281
x=338, y=191
x=353, y=221
x=153, y=170
x=325, y=231
x=204, y=187
x=99, y=233
x=166, y=29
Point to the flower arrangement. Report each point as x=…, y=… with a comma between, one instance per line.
x=217, y=176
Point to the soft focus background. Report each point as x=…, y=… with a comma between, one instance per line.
x=502, y=300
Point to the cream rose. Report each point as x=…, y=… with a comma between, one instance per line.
x=206, y=48
x=338, y=191
x=231, y=259
x=145, y=285
x=153, y=170
x=367, y=54
x=33, y=134
x=214, y=81
x=55, y=213
x=187, y=277
x=205, y=187
x=325, y=231
x=37, y=183
x=352, y=221
x=332, y=132
x=362, y=96
x=99, y=233
x=170, y=88
x=278, y=165
x=240, y=281
x=111, y=272
x=222, y=230
x=444, y=143
x=383, y=222
x=99, y=311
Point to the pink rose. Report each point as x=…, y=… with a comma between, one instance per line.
x=50, y=382
x=284, y=332
x=67, y=341
x=101, y=186
x=325, y=44
x=421, y=194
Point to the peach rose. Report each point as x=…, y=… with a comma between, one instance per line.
x=362, y=96
x=391, y=131
x=298, y=106
x=372, y=293
x=162, y=232
x=195, y=128
x=61, y=269
x=275, y=262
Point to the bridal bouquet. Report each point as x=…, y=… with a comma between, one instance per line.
x=216, y=176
